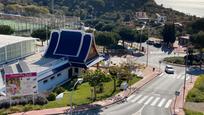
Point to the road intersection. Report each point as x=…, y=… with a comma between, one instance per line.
x=156, y=97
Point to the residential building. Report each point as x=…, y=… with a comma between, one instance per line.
x=160, y=18
x=141, y=16
x=184, y=40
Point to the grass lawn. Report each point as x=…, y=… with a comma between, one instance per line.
x=80, y=96
x=19, y=26
x=83, y=93
x=190, y=112
x=175, y=60
x=197, y=93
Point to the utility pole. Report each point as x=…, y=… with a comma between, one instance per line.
x=184, y=87
x=52, y=16
x=52, y=6
x=147, y=47
x=147, y=61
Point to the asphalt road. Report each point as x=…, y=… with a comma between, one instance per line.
x=155, y=98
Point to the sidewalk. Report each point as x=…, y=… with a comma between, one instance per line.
x=179, y=102
x=148, y=75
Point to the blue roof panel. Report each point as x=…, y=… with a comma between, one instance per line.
x=74, y=45
x=69, y=43
x=84, y=49
x=52, y=45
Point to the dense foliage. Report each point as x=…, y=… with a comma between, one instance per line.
x=169, y=33
x=42, y=34
x=190, y=112
x=115, y=10
x=5, y=29
x=198, y=25
x=198, y=39
x=197, y=93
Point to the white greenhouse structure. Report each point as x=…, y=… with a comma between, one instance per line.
x=15, y=47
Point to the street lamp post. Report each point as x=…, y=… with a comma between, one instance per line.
x=79, y=80
x=147, y=61
x=177, y=93
x=160, y=66
x=147, y=55
x=141, y=32
x=184, y=87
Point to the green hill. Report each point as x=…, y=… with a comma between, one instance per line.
x=86, y=9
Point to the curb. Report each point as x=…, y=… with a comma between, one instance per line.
x=181, y=111
x=145, y=83
x=172, y=104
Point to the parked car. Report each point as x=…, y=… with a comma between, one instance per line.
x=150, y=42
x=158, y=45
x=169, y=69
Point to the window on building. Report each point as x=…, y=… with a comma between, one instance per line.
x=76, y=70
x=45, y=81
x=59, y=74
x=52, y=77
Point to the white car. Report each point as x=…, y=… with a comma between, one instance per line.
x=169, y=69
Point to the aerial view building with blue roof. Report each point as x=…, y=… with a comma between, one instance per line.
x=67, y=53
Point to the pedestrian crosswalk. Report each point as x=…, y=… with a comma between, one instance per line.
x=157, y=52
x=175, y=76
x=151, y=100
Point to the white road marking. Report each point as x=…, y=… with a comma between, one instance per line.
x=173, y=76
x=161, y=75
x=129, y=98
x=155, y=101
x=188, y=77
x=183, y=77
x=139, y=112
x=168, y=103
x=136, y=98
x=178, y=76
x=147, y=102
x=141, y=100
x=162, y=102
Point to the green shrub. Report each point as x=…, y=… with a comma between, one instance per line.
x=176, y=60
x=59, y=90
x=197, y=93
x=51, y=96
x=201, y=87
x=27, y=108
x=190, y=112
x=5, y=29
x=40, y=100
x=3, y=112
x=15, y=109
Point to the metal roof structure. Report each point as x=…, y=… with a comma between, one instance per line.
x=9, y=39
x=75, y=45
